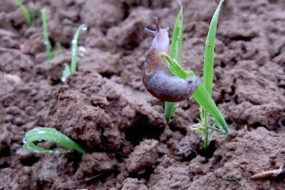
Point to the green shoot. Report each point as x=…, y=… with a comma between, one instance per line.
x=45, y=33
x=177, y=35
x=232, y=179
x=208, y=70
x=208, y=73
x=66, y=72
x=202, y=94
x=72, y=68
x=73, y=65
x=32, y=14
x=175, y=68
x=48, y=134
x=175, y=51
x=58, y=50
x=28, y=14
x=169, y=109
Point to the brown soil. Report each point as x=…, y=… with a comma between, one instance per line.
x=105, y=108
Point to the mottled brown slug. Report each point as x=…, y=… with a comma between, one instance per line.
x=156, y=76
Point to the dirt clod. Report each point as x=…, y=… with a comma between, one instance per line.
x=144, y=155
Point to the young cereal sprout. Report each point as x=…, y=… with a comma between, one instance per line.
x=50, y=52
x=29, y=14
x=68, y=70
x=164, y=77
x=48, y=134
x=46, y=36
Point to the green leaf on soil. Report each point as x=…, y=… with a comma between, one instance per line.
x=48, y=134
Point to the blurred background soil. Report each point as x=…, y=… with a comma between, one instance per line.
x=105, y=108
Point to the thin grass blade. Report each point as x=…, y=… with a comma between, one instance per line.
x=208, y=70
x=45, y=33
x=177, y=34
x=48, y=134
x=66, y=72
x=175, y=52
x=203, y=98
x=33, y=13
x=175, y=68
x=169, y=109
x=73, y=65
x=25, y=11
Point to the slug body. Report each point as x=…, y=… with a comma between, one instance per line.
x=156, y=76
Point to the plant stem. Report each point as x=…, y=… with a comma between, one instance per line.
x=169, y=110
x=175, y=52
x=45, y=33
x=205, y=124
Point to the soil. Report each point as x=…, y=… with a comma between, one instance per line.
x=105, y=108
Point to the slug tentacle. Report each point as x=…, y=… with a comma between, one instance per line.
x=156, y=77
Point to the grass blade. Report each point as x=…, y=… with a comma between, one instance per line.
x=203, y=98
x=208, y=73
x=73, y=65
x=25, y=11
x=169, y=109
x=175, y=52
x=32, y=14
x=176, y=40
x=66, y=72
x=48, y=134
x=175, y=68
x=208, y=70
x=45, y=33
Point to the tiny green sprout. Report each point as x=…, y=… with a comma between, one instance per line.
x=68, y=70
x=46, y=36
x=28, y=14
x=203, y=92
x=73, y=65
x=58, y=50
x=235, y=180
x=49, y=134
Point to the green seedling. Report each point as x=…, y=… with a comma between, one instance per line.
x=208, y=73
x=29, y=14
x=202, y=94
x=46, y=36
x=175, y=52
x=235, y=180
x=58, y=50
x=73, y=65
x=50, y=52
x=52, y=135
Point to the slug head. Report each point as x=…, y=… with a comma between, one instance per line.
x=160, y=41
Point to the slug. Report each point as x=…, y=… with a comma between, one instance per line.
x=157, y=78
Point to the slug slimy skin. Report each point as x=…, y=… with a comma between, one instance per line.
x=156, y=76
